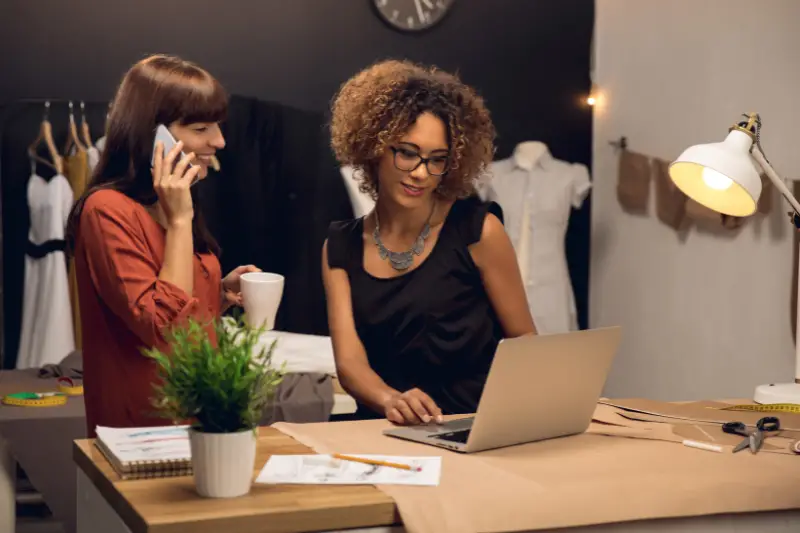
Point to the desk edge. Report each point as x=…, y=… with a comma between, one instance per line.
x=132, y=519
x=105, y=487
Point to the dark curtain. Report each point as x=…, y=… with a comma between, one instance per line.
x=270, y=205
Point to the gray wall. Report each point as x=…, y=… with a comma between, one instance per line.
x=706, y=314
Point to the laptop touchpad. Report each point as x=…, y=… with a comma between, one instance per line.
x=452, y=425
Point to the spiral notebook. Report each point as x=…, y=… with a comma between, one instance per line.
x=149, y=452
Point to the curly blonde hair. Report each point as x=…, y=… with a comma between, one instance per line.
x=377, y=106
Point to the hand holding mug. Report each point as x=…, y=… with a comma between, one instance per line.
x=232, y=283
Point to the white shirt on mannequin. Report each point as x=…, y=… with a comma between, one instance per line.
x=362, y=203
x=537, y=193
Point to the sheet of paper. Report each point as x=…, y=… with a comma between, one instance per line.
x=299, y=352
x=326, y=470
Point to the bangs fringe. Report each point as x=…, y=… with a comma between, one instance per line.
x=197, y=100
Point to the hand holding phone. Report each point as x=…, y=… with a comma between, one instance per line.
x=173, y=175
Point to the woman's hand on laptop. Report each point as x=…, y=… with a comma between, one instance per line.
x=412, y=407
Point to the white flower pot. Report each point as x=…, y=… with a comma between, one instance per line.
x=223, y=463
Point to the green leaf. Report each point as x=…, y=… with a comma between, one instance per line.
x=220, y=387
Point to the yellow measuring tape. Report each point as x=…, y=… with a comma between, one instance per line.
x=765, y=408
x=66, y=387
x=69, y=387
x=35, y=399
x=770, y=408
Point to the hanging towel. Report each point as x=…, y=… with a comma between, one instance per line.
x=633, y=181
x=670, y=201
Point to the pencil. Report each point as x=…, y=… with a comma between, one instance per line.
x=376, y=462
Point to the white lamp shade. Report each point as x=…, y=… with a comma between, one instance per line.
x=721, y=176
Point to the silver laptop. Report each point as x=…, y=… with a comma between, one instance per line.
x=539, y=387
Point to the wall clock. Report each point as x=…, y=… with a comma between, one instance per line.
x=412, y=15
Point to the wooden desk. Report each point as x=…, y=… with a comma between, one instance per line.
x=48, y=464
x=171, y=505
x=108, y=505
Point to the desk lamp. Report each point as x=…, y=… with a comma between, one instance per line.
x=723, y=177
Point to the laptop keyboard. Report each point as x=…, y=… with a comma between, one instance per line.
x=454, y=436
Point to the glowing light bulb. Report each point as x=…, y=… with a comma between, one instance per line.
x=591, y=100
x=716, y=180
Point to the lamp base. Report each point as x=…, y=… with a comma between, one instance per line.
x=778, y=393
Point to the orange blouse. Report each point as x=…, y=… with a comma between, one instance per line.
x=124, y=307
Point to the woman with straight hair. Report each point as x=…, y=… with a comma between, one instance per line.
x=144, y=259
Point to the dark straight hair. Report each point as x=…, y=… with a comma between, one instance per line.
x=160, y=89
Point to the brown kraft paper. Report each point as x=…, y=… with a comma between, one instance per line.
x=709, y=219
x=566, y=482
x=633, y=181
x=613, y=421
x=670, y=201
x=705, y=411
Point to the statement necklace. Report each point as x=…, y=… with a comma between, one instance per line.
x=402, y=260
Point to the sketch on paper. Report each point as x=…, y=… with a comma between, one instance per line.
x=325, y=470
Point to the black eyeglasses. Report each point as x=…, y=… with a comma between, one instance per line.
x=409, y=160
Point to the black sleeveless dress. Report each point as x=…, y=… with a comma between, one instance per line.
x=434, y=327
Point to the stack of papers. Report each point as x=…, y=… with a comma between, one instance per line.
x=327, y=470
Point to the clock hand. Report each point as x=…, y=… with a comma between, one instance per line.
x=420, y=12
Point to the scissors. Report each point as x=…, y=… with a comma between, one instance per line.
x=753, y=439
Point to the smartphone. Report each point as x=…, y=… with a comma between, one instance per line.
x=169, y=142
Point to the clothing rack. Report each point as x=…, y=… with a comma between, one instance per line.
x=19, y=121
x=48, y=105
x=53, y=101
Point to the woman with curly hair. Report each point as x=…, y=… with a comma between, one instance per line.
x=421, y=290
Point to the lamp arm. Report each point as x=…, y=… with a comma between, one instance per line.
x=775, y=179
x=778, y=182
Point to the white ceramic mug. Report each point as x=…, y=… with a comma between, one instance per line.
x=261, y=295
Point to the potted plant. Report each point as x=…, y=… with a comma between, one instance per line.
x=220, y=391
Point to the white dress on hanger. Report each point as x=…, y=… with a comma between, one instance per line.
x=46, y=334
x=93, y=156
x=537, y=193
